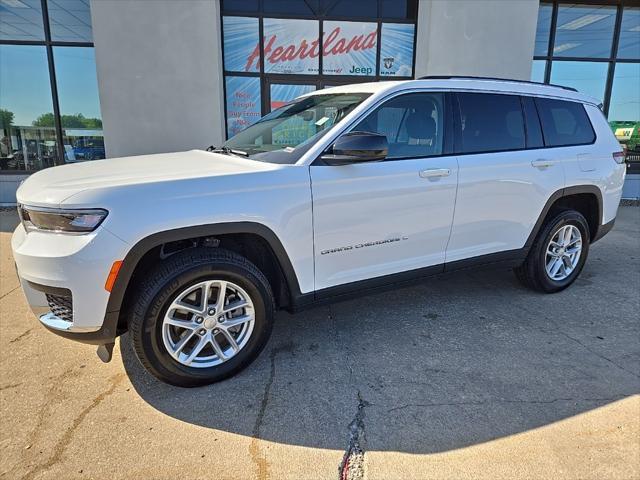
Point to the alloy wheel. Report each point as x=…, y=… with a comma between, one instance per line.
x=563, y=252
x=208, y=323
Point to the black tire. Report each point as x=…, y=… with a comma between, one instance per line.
x=532, y=273
x=157, y=290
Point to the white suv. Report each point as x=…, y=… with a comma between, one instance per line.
x=339, y=191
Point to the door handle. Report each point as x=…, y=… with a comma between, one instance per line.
x=435, y=172
x=542, y=163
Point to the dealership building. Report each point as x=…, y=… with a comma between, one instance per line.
x=82, y=80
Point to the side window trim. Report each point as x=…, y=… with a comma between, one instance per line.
x=529, y=109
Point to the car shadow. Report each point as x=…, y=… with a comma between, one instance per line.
x=461, y=359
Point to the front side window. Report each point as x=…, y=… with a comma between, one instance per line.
x=286, y=133
x=564, y=123
x=413, y=125
x=490, y=123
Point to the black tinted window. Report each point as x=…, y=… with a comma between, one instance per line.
x=413, y=124
x=490, y=123
x=534, y=131
x=564, y=123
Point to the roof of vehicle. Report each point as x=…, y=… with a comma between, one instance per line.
x=465, y=83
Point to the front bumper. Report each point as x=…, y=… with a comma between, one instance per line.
x=50, y=264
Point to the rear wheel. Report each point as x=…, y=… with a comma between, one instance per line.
x=201, y=316
x=558, y=253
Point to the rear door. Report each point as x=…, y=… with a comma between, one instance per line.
x=378, y=218
x=505, y=175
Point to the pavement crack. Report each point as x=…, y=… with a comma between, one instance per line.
x=54, y=396
x=352, y=465
x=10, y=292
x=68, y=434
x=21, y=336
x=593, y=352
x=10, y=386
x=498, y=401
x=260, y=460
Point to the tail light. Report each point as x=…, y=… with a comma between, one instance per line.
x=619, y=157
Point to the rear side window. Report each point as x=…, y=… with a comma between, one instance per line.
x=490, y=123
x=564, y=123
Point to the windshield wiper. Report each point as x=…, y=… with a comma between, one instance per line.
x=226, y=151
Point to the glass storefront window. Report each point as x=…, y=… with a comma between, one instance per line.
x=401, y=9
x=624, y=111
x=21, y=20
x=27, y=140
x=79, y=104
x=629, y=45
x=281, y=94
x=625, y=95
x=349, y=48
x=586, y=77
x=291, y=46
x=70, y=20
x=241, y=42
x=243, y=103
x=584, y=31
x=537, y=70
x=396, y=49
x=272, y=53
x=240, y=5
x=544, y=30
x=354, y=8
x=287, y=7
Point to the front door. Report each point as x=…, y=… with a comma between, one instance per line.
x=378, y=218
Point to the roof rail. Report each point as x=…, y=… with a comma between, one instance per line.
x=470, y=77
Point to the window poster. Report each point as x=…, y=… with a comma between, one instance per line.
x=349, y=48
x=281, y=94
x=291, y=46
x=243, y=103
x=396, y=50
x=241, y=42
x=296, y=129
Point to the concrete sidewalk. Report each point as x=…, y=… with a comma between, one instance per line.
x=466, y=376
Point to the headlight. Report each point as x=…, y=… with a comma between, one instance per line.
x=60, y=220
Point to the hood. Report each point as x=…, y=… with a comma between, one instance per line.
x=50, y=187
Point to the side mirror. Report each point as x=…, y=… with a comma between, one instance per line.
x=357, y=147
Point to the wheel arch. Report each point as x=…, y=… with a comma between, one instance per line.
x=587, y=199
x=155, y=241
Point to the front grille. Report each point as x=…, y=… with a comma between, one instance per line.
x=61, y=306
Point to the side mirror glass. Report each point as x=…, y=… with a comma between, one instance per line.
x=354, y=147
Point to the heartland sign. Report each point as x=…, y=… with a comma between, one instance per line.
x=292, y=46
x=335, y=43
x=349, y=48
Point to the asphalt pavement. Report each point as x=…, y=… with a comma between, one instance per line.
x=468, y=375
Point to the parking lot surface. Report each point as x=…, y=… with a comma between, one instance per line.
x=468, y=375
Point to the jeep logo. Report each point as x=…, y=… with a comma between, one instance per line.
x=361, y=70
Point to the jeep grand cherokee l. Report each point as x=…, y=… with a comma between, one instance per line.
x=338, y=191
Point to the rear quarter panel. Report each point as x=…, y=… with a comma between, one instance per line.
x=594, y=165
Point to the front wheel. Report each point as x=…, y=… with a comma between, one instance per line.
x=558, y=253
x=201, y=316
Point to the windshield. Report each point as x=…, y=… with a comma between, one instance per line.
x=285, y=134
